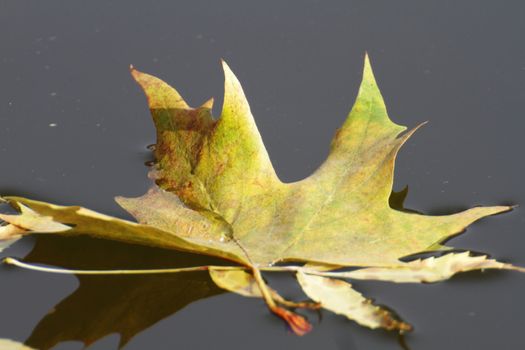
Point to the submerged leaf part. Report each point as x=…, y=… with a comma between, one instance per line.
x=339, y=297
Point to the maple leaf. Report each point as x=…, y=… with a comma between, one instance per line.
x=339, y=215
x=216, y=193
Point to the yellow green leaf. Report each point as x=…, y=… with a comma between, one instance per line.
x=216, y=193
x=339, y=215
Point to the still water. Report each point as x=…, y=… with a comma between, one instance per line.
x=74, y=130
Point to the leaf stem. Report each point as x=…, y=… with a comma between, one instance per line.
x=267, y=296
x=35, y=267
x=16, y=262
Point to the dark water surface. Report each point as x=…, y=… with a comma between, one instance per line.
x=74, y=128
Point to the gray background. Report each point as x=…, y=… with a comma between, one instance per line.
x=459, y=65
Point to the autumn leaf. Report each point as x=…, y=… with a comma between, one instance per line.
x=343, y=207
x=216, y=193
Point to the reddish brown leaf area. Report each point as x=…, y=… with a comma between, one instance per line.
x=392, y=324
x=297, y=323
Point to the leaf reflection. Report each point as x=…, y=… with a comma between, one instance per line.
x=115, y=304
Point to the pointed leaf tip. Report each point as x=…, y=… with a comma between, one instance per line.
x=208, y=104
x=159, y=94
x=225, y=68
x=368, y=73
x=235, y=106
x=135, y=74
x=230, y=79
x=367, y=59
